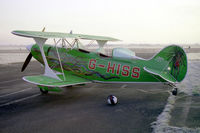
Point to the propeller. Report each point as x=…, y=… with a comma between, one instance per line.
x=28, y=59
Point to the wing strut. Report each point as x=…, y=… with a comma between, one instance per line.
x=59, y=57
x=101, y=44
x=48, y=71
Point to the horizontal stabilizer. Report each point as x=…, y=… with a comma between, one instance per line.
x=163, y=74
x=52, y=82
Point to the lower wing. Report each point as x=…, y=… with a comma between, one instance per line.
x=52, y=82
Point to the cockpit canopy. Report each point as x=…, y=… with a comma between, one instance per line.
x=124, y=53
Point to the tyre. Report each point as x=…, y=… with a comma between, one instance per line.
x=175, y=91
x=43, y=91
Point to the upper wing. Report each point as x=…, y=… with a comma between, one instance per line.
x=52, y=82
x=47, y=35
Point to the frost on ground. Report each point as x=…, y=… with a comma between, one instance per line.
x=191, y=84
x=162, y=123
x=191, y=87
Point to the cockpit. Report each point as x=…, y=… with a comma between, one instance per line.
x=115, y=52
x=124, y=53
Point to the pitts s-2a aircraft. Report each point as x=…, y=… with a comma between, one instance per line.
x=71, y=64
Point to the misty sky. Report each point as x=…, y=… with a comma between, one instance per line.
x=133, y=21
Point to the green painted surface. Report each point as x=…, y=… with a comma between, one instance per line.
x=169, y=64
x=61, y=35
x=55, y=89
x=47, y=81
x=164, y=74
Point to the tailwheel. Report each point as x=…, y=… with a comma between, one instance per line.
x=175, y=91
x=43, y=91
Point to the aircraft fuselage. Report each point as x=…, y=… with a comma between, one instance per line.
x=94, y=66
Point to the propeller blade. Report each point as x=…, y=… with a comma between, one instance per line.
x=28, y=59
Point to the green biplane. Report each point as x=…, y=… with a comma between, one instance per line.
x=71, y=63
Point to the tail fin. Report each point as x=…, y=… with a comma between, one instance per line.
x=170, y=64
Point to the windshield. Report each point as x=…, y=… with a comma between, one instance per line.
x=123, y=53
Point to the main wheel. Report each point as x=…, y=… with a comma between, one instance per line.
x=175, y=91
x=43, y=91
x=81, y=84
x=70, y=86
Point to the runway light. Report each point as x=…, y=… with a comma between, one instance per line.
x=112, y=100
